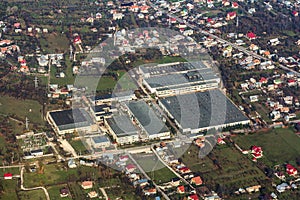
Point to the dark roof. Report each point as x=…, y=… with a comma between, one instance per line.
x=122, y=125
x=146, y=117
x=68, y=119
x=203, y=109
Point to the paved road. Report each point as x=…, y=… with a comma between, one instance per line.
x=197, y=28
x=34, y=188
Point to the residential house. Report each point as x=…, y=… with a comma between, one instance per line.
x=149, y=192
x=8, y=176
x=64, y=192
x=253, y=188
x=196, y=180
x=235, y=5
x=93, y=194
x=251, y=36
x=291, y=170
x=193, y=197
x=130, y=168
x=87, y=185
x=230, y=16
x=180, y=189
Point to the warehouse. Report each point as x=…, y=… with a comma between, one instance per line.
x=178, y=78
x=202, y=111
x=100, y=141
x=122, y=129
x=66, y=121
x=147, y=120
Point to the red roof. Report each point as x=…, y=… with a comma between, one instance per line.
x=256, y=149
x=8, y=175
x=263, y=80
x=235, y=4
x=231, y=14
x=184, y=169
x=130, y=166
x=295, y=13
x=180, y=189
x=290, y=169
x=251, y=35
x=194, y=197
x=291, y=81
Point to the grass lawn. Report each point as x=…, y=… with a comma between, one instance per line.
x=68, y=79
x=32, y=195
x=279, y=145
x=233, y=171
x=9, y=190
x=154, y=168
x=54, y=43
x=114, y=193
x=21, y=108
x=52, y=175
x=13, y=170
x=76, y=191
x=78, y=146
x=54, y=191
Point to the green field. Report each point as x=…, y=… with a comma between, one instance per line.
x=279, y=145
x=154, y=168
x=9, y=189
x=78, y=146
x=54, y=43
x=226, y=166
x=32, y=195
x=21, y=108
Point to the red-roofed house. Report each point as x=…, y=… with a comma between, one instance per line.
x=230, y=15
x=184, y=170
x=123, y=158
x=291, y=170
x=221, y=141
x=8, y=176
x=130, y=168
x=87, y=185
x=263, y=80
x=180, y=189
x=196, y=180
x=193, y=197
x=292, y=82
x=77, y=40
x=256, y=152
x=295, y=13
x=235, y=5
x=251, y=36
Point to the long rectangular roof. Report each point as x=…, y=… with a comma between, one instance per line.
x=69, y=119
x=203, y=109
x=122, y=125
x=146, y=117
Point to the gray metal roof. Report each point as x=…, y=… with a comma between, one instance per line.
x=146, y=117
x=122, y=125
x=100, y=139
x=203, y=109
x=70, y=119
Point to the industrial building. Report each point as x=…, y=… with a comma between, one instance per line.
x=100, y=141
x=67, y=121
x=122, y=129
x=100, y=112
x=109, y=98
x=178, y=78
x=202, y=111
x=147, y=120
